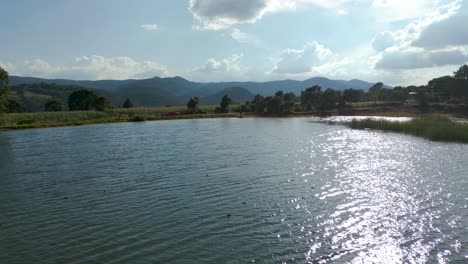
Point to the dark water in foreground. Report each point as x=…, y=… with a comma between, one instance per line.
x=297, y=192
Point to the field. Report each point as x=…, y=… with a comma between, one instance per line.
x=74, y=118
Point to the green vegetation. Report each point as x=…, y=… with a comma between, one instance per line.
x=224, y=105
x=127, y=103
x=3, y=90
x=53, y=106
x=52, y=119
x=430, y=127
x=192, y=105
x=87, y=100
x=8, y=103
x=441, y=96
x=34, y=96
x=75, y=118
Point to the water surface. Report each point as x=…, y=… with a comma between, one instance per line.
x=296, y=192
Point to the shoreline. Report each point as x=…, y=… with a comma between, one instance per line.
x=21, y=121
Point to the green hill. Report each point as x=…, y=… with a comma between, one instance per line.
x=237, y=94
x=34, y=96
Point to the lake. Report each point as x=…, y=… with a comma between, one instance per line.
x=230, y=191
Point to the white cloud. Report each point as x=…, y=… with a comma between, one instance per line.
x=239, y=36
x=415, y=59
x=384, y=40
x=450, y=30
x=436, y=39
x=150, y=27
x=297, y=61
x=7, y=66
x=221, y=14
x=397, y=10
x=92, y=68
x=231, y=64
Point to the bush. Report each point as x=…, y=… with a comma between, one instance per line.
x=137, y=119
x=53, y=106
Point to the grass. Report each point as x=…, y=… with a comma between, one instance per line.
x=74, y=118
x=53, y=119
x=434, y=128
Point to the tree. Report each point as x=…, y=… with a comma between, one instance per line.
x=461, y=73
x=375, y=91
x=192, y=104
x=351, y=95
x=289, y=101
x=224, y=105
x=127, y=103
x=3, y=90
x=460, y=86
x=13, y=106
x=422, y=100
x=258, y=104
x=82, y=100
x=309, y=97
x=440, y=85
x=328, y=99
x=101, y=104
x=53, y=106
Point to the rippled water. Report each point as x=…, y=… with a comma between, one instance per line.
x=296, y=192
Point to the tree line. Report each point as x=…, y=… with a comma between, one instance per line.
x=451, y=89
x=447, y=88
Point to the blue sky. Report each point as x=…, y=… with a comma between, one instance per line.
x=398, y=42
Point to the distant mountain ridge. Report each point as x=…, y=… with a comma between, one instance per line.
x=159, y=91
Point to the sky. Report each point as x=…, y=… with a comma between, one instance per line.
x=398, y=42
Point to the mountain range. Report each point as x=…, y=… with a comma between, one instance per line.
x=177, y=90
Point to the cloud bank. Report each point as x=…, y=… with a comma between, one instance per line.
x=90, y=68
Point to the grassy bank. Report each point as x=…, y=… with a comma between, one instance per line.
x=431, y=127
x=76, y=118
x=70, y=118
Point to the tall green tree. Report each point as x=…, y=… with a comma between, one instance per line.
x=101, y=104
x=82, y=100
x=127, y=103
x=328, y=99
x=460, y=86
x=14, y=106
x=3, y=90
x=258, y=104
x=351, y=95
x=289, y=101
x=375, y=92
x=53, y=106
x=309, y=97
x=192, y=104
x=224, y=105
x=461, y=73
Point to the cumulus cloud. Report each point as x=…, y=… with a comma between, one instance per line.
x=384, y=40
x=296, y=61
x=150, y=27
x=451, y=30
x=408, y=59
x=8, y=66
x=239, y=36
x=231, y=64
x=92, y=68
x=220, y=14
x=434, y=40
x=397, y=10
